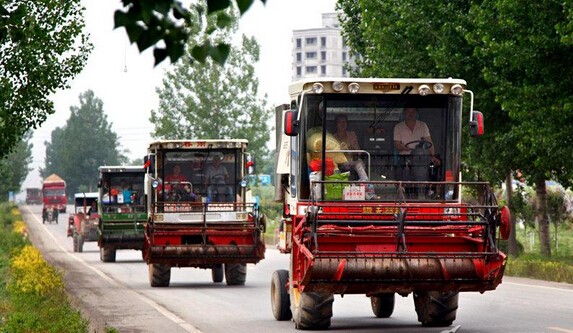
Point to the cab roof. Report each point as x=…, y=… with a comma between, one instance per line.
x=89, y=195
x=371, y=85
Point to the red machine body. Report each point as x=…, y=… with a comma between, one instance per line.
x=198, y=217
x=83, y=223
x=379, y=216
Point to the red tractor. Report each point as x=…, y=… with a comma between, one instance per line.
x=369, y=209
x=83, y=223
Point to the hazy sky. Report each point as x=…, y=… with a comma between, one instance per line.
x=125, y=80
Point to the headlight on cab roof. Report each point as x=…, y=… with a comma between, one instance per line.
x=456, y=89
x=424, y=90
x=317, y=88
x=337, y=86
x=353, y=88
x=438, y=88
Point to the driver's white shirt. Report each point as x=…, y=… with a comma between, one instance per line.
x=403, y=133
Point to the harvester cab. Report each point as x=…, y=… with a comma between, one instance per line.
x=123, y=209
x=369, y=176
x=201, y=212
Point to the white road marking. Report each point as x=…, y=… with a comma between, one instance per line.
x=164, y=311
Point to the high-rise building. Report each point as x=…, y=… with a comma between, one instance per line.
x=320, y=51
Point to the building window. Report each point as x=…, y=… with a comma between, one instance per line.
x=298, y=43
x=298, y=71
x=323, y=41
x=323, y=69
x=310, y=69
x=343, y=71
x=311, y=41
x=343, y=56
x=298, y=57
x=310, y=55
x=323, y=55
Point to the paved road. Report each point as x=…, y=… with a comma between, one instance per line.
x=118, y=294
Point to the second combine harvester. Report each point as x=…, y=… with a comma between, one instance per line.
x=201, y=212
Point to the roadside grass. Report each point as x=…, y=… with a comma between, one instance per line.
x=529, y=263
x=32, y=295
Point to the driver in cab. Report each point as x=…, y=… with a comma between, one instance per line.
x=217, y=180
x=412, y=133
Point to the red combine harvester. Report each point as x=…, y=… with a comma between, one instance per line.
x=369, y=176
x=201, y=212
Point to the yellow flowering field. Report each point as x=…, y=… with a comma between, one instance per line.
x=32, y=274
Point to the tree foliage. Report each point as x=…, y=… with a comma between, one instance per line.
x=428, y=39
x=515, y=55
x=527, y=61
x=14, y=167
x=209, y=101
x=42, y=47
x=149, y=22
x=84, y=143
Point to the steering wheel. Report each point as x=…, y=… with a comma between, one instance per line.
x=218, y=179
x=427, y=144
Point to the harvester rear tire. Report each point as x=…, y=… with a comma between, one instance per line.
x=159, y=275
x=235, y=274
x=217, y=273
x=383, y=305
x=75, y=242
x=280, y=300
x=107, y=254
x=312, y=311
x=436, y=308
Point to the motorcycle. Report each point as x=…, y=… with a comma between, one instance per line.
x=50, y=215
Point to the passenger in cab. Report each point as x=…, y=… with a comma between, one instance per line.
x=176, y=176
x=348, y=139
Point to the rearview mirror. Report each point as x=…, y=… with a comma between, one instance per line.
x=291, y=123
x=149, y=163
x=476, y=124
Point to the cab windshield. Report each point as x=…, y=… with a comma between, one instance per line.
x=123, y=192
x=200, y=176
x=379, y=138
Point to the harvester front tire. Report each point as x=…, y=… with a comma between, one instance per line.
x=280, y=300
x=383, y=305
x=159, y=275
x=235, y=274
x=217, y=273
x=80, y=241
x=436, y=308
x=312, y=311
x=107, y=254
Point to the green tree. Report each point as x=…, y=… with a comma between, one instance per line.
x=209, y=101
x=14, y=167
x=428, y=39
x=84, y=143
x=42, y=47
x=526, y=50
x=149, y=22
x=510, y=54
